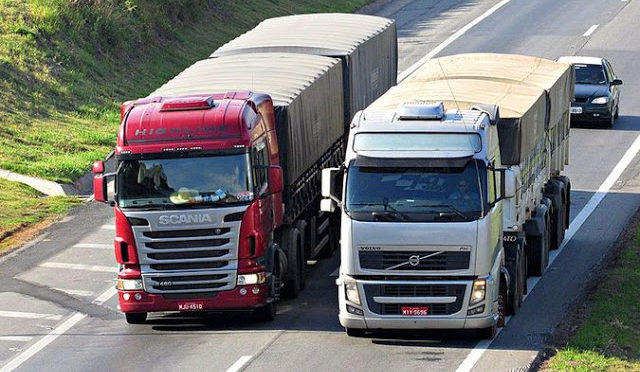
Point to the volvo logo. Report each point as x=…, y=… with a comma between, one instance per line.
x=414, y=260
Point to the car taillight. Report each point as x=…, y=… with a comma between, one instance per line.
x=124, y=242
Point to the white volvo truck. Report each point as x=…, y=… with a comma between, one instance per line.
x=451, y=193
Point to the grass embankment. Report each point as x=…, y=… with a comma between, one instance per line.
x=66, y=65
x=609, y=339
x=22, y=207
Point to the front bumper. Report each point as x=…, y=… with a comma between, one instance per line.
x=455, y=320
x=592, y=113
x=223, y=300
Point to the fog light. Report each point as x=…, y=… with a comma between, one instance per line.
x=137, y=296
x=351, y=290
x=478, y=291
x=255, y=290
x=129, y=284
x=476, y=310
x=126, y=296
x=243, y=291
x=354, y=310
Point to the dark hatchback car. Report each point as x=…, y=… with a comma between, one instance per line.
x=597, y=91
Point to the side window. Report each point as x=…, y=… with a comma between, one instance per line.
x=260, y=166
x=608, y=71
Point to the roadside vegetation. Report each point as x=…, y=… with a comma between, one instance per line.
x=22, y=207
x=609, y=339
x=67, y=65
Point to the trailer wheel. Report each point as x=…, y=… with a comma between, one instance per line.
x=292, y=284
x=355, y=332
x=540, y=251
x=135, y=318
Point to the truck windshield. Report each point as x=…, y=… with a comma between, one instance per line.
x=193, y=181
x=416, y=194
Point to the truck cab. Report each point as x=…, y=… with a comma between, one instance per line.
x=197, y=183
x=421, y=209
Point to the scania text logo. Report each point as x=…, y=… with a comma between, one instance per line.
x=414, y=260
x=182, y=219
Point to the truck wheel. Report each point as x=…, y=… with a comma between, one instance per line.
x=292, y=284
x=268, y=312
x=502, y=303
x=518, y=273
x=487, y=333
x=355, y=332
x=540, y=255
x=557, y=222
x=135, y=318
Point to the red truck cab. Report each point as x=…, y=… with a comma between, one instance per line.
x=198, y=195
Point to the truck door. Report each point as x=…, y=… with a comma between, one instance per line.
x=261, y=178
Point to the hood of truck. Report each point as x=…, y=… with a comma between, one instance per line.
x=409, y=249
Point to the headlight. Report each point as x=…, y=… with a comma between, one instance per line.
x=128, y=284
x=351, y=289
x=478, y=292
x=600, y=100
x=248, y=279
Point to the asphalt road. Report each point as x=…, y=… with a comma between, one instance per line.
x=57, y=310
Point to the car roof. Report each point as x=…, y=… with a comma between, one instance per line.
x=581, y=59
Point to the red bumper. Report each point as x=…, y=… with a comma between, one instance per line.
x=226, y=300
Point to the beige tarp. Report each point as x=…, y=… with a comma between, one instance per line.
x=533, y=94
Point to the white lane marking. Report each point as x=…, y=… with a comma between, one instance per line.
x=403, y=75
x=64, y=265
x=108, y=227
x=43, y=342
x=94, y=245
x=27, y=315
x=105, y=296
x=16, y=338
x=590, y=30
x=237, y=366
x=75, y=292
x=575, y=225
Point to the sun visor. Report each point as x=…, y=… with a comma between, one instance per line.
x=365, y=161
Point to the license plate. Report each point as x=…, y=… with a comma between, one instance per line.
x=576, y=110
x=191, y=306
x=414, y=311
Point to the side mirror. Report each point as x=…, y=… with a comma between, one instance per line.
x=616, y=82
x=99, y=182
x=332, y=184
x=275, y=179
x=328, y=205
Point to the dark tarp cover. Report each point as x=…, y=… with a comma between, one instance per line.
x=366, y=44
x=306, y=92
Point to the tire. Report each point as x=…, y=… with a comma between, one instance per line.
x=609, y=123
x=292, y=283
x=135, y=318
x=268, y=312
x=539, y=258
x=355, y=332
x=503, y=306
x=487, y=333
x=617, y=114
x=517, y=283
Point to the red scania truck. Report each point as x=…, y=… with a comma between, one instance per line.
x=217, y=173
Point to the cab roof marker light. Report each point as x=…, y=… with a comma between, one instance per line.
x=187, y=103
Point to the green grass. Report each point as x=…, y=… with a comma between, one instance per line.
x=609, y=340
x=65, y=67
x=22, y=206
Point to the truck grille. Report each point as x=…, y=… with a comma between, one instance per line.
x=415, y=290
x=429, y=260
x=188, y=283
x=189, y=260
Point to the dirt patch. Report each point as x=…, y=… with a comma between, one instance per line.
x=582, y=308
x=18, y=237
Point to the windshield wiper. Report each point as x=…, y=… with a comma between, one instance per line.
x=392, y=212
x=443, y=214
